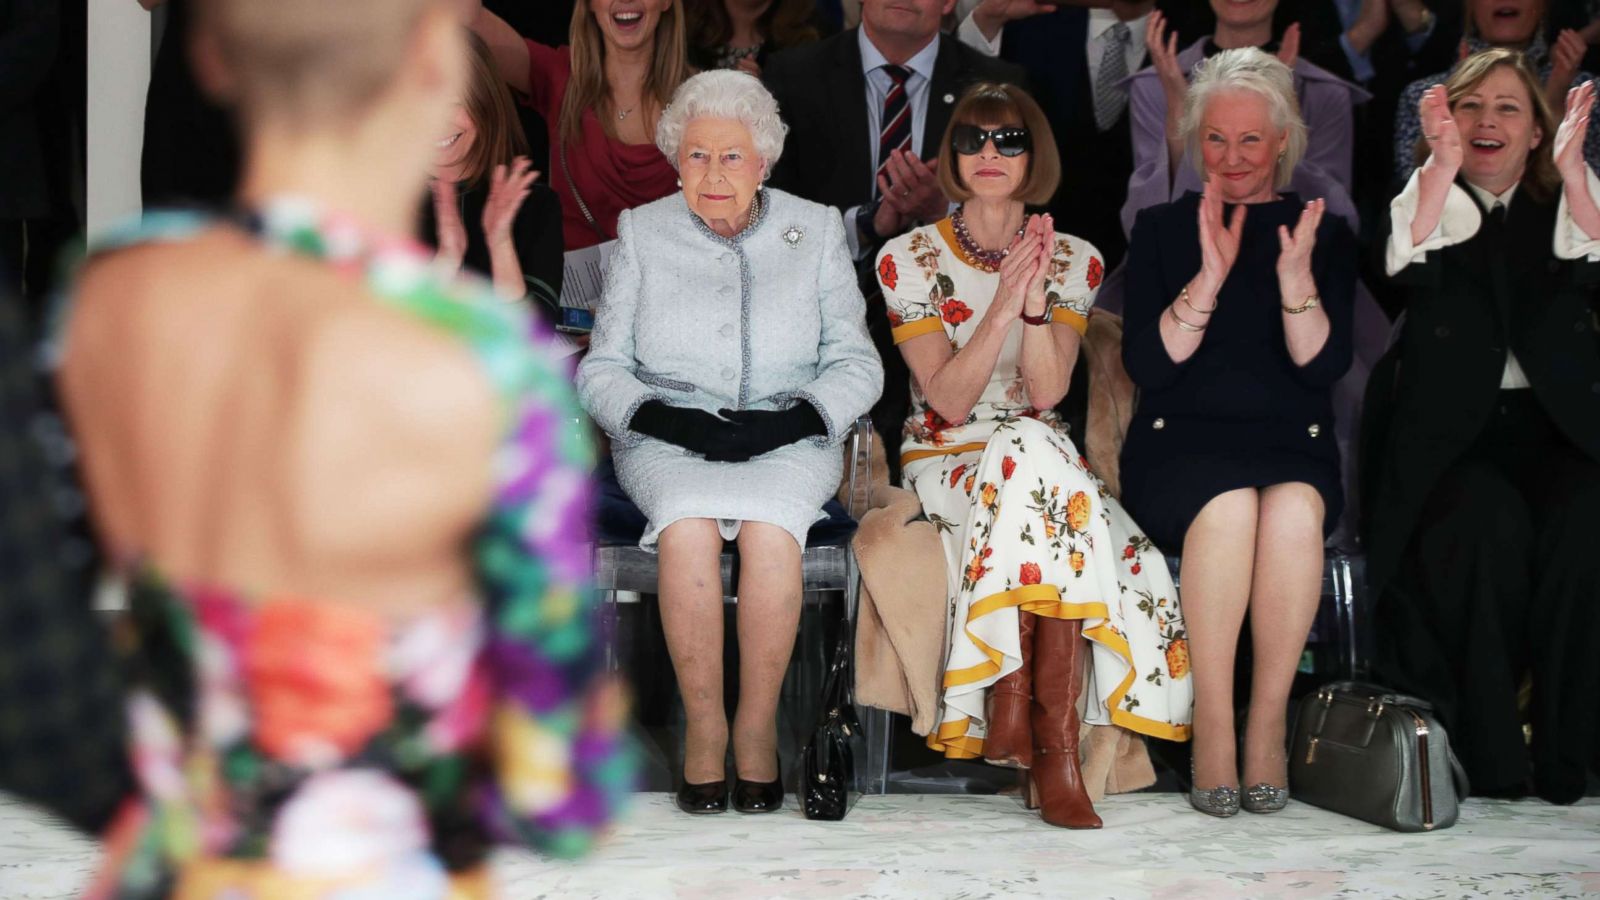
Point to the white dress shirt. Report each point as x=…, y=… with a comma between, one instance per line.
x=1460, y=221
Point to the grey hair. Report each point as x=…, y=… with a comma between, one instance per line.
x=1247, y=69
x=724, y=94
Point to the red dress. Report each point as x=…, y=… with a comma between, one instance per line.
x=612, y=176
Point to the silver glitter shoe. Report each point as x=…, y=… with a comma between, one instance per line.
x=1221, y=801
x=1264, y=798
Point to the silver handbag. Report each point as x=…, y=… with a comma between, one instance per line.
x=1371, y=754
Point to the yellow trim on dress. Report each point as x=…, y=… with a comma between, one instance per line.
x=911, y=456
x=917, y=328
x=1043, y=600
x=1062, y=315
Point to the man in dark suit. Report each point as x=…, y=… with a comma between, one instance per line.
x=866, y=110
x=1077, y=59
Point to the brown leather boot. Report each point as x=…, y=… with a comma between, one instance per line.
x=1059, y=651
x=1009, y=706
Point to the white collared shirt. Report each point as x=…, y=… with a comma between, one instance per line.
x=1460, y=221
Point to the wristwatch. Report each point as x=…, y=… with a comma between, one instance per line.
x=865, y=232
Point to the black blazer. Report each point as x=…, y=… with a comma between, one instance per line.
x=1465, y=306
x=821, y=94
x=27, y=48
x=1095, y=164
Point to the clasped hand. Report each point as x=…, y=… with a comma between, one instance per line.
x=733, y=435
x=1025, y=270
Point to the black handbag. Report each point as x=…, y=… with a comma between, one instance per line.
x=828, y=765
x=1369, y=753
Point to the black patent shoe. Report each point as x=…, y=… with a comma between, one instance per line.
x=757, y=796
x=703, y=799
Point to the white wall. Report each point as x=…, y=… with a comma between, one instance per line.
x=119, y=73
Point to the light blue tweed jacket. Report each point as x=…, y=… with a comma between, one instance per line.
x=768, y=318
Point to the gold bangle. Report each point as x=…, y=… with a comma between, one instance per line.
x=1184, y=296
x=1312, y=302
x=1186, y=326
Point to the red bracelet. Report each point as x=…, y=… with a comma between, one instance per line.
x=1041, y=319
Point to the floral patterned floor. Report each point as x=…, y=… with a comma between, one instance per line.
x=929, y=846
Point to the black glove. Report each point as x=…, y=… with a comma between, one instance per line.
x=694, y=430
x=757, y=431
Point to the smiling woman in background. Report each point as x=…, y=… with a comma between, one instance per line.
x=487, y=213
x=602, y=96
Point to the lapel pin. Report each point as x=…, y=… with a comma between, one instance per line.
x=792, y=235
x=949, y=98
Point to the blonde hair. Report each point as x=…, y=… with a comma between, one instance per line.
x=1539, y=175
x=586, y=89
x=489, y=103
x=1003, y=104
x=313, y=61
x=1247, y=69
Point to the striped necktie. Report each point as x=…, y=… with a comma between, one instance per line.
x=1110, y=97
x=896, y=131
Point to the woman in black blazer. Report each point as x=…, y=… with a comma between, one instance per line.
x=1483, y=433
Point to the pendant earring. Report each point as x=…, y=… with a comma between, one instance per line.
x=680, y=182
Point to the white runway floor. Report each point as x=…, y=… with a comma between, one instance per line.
x=932, y=846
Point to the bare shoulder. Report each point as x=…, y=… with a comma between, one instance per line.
x=421, y=388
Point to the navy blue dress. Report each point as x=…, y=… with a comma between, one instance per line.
x=1238, y=413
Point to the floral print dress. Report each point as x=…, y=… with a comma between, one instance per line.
x=286, y=747
x=1026, y=526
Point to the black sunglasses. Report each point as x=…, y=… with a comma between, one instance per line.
x=1009, y=140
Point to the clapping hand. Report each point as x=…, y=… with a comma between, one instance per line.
x=1568, y=146
x=452, y=234
x=1289, y=47
x=1163, y=46
x=1439, y=130
x=1294, y=256
x=1219, y=243
x=1565, y=58
x=911, y=189
x=508, y=187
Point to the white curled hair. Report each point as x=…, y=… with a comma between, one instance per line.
x=724, y=94
x=1247, y=69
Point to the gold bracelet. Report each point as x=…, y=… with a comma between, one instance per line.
x=1312, y=302
x=1186, y=326
x=1184, y=296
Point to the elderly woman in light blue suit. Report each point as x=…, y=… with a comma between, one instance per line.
x=729, y=358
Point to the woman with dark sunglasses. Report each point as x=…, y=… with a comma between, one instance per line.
x=1045, y=569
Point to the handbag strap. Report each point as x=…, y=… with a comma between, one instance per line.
x=566, y=172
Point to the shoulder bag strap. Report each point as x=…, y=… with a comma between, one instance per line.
x=566, y=172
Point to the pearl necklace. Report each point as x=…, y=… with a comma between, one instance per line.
x=983, y=260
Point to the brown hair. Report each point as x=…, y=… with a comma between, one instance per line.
x=313, y=60
x=669, y=66
x=1004, y=104
x=786, y=23
x=494, y=114
x=1539, y=176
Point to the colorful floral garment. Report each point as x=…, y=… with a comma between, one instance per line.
x=291, y=748
x=1026, y=526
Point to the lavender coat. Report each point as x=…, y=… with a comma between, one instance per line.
x=1326, y=104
